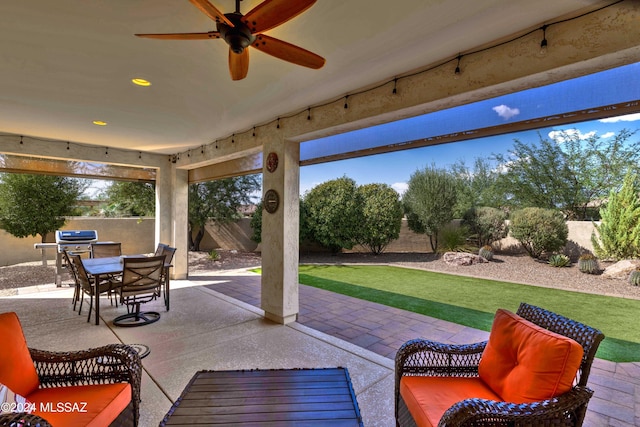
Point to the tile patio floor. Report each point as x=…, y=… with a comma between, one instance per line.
x=214, y=324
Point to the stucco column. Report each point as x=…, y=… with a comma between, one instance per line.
x=280, y=232
x=164, y=203
x=180, y=222
x=172, y=198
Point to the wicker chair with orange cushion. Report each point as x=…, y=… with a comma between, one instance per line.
x=97, y=387
x=532, y=371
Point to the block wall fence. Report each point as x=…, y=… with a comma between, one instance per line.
x=137, y=236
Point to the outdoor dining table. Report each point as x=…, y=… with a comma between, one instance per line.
x=97, y=267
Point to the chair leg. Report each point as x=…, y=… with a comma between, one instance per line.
x=81, y=302
x=90, y=308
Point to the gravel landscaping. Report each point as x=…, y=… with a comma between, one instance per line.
x=512, y=268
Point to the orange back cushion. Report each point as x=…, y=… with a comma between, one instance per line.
x=526, y=363
x=17, y=370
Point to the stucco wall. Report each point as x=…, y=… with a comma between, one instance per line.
x=136, y=235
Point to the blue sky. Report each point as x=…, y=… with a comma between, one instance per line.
x=609, y=87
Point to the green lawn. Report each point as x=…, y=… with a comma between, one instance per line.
x=473, y=302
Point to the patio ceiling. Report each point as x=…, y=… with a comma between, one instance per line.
x=67, y=63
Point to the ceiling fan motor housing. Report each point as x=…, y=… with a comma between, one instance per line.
x=238, y=37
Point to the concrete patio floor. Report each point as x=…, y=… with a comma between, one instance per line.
x=207, y=329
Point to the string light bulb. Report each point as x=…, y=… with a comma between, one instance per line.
x=278, y=125
x=346, y=102
x=544, y=44
x=395, y=86
x=457, y=72
x=309, y=113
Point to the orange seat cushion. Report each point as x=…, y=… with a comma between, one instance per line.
x=85, y=405
x=427, y=398
x=525, y=363
x=17, y=370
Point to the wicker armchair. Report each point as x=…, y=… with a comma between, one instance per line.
x=111, y=364
x=421, y=357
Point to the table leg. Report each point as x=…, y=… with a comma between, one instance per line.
x=96, y=292
x=166, y=287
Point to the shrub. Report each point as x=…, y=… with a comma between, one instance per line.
x=539, y=230
x=559, y=260
x=618, y=235
x=588, y=263
x=214, y=255
x=486, y=252
x=486, y=224
x=454, y=239
x=381, y=216
x=634, y=277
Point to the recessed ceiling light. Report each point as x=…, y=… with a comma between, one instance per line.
x=141, y=82
x=99, y=123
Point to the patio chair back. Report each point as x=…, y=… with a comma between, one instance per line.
x=589, y=338
x=106, y=249
x=141, y=283
x=167, y=251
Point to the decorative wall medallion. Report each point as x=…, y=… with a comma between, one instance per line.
x=271, y=201
x=272, y=162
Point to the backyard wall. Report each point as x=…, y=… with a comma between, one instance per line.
x=137, y=236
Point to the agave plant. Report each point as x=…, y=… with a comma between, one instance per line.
x=588, y=263
x=559, y=260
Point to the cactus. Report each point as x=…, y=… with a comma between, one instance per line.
x=588, y=263
x=486, y=252
x=634, y=277
x=559, y=260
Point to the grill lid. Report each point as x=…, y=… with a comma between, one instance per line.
x=63, y=236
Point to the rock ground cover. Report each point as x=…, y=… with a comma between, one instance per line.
x=511, y=268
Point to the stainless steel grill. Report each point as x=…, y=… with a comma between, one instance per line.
x=72, y=241
x=75, y=240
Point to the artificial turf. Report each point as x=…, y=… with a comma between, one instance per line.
x=472, y=301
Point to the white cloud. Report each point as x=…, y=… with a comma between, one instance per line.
x=559, y=135
x=628, y=118
x=400, y=187
x=506, y=112
x=607, y=135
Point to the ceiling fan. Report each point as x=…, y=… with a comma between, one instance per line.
x=241, y=31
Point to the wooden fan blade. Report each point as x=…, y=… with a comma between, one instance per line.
x=238, y=64
x=183, y=36
x=211, y=11
x=271, y=13
x=288, y=52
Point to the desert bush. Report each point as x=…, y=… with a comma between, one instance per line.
x=486, y=224
x=454, y=239
x=539, y=230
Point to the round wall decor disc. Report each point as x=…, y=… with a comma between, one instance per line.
x=272, y=162
x=271, y=201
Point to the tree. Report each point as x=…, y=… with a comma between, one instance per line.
x=477, y=187
x=381, y=216
x=334, y=211
x=256, y=224
x=33, y=205
x=539, y=230
x=129, y=198
x=619, y=231
x=568, y=172
x=218, y=201
x=429, y=202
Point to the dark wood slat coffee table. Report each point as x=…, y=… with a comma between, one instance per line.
x=280, y=397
